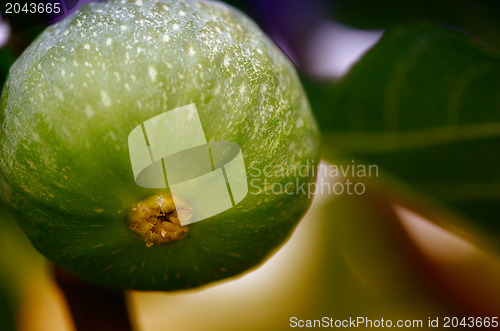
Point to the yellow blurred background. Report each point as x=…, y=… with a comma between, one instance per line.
x=350, y=256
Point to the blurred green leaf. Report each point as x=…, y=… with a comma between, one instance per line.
x=477, y=17
x=424, y=106
x=19, y=262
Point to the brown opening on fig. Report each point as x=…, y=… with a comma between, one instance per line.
x=156, y=221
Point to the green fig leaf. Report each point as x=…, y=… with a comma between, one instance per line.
x=19, y=264
x=366, y=14
x=423, y=105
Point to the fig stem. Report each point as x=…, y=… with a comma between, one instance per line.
x=93, y=308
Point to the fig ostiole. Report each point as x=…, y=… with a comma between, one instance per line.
x=156, y=220
x=78, y=91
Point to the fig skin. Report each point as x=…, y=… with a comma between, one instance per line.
x=73, y=97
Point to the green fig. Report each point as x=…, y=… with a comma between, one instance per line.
x=74, y=119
